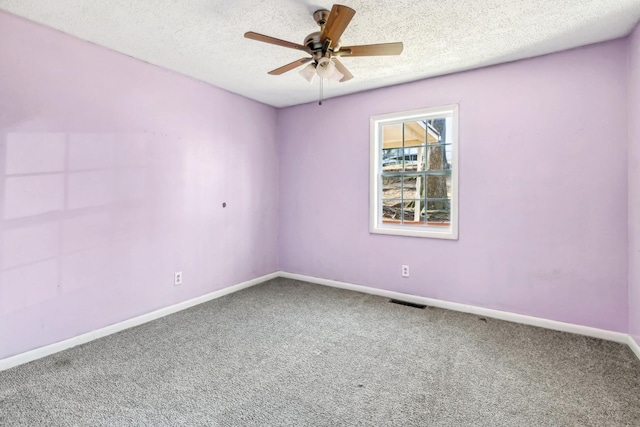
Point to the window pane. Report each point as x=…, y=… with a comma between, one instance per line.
x=392, y=136
x=413, y=187
x=437, y=187
x=439, y=212
x=436, y=131
x=422, y=158
x=415, y=133
x=392, y=210
x=448, y=154
x=392, y=159
x=391, y=187
x=436, y=158
x=415, y=159
x=414, y=138
x=413, y=212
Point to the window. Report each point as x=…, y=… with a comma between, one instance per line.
x=414, y=173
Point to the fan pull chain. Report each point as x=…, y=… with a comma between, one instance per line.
x=320, y=99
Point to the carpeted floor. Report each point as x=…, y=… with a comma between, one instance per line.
x=287, y=353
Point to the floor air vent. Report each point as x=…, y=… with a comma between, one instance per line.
x=408, y=304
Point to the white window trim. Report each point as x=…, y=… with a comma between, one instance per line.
x=375, y=196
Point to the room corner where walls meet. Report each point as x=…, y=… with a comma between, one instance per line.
x=633, y=170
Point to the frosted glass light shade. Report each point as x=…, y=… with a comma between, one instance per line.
x=325, y=68
x=308, y=72
x=336, y=76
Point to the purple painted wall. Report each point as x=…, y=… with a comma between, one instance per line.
x=114, y=173
x=543, y=189
x=634, y=184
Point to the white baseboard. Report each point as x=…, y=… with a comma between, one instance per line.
x=480, y=311
x=38, y=353
x=634, y=346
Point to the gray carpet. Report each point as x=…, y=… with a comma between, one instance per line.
x=287, y=353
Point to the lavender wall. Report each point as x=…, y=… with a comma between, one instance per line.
x=634, y=184
x=114, y=174
x=543, y=188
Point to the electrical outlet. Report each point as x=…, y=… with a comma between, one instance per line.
x=405, y=271
x=177, y=278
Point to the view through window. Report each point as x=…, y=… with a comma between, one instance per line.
x=414, y=173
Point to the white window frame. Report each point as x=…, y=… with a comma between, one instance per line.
x=375, y=197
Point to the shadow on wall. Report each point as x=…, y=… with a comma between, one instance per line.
x=71, y=202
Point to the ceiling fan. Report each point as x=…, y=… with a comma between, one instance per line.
x=324, y=47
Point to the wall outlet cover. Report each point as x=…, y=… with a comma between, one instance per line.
x=405, y=271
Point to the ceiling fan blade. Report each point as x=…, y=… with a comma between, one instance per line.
x=337, y=22
x=371, y=49
x=289, y=67
x=272, y=40
x=342, y=69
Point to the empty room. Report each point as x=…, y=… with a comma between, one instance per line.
x=301, y=213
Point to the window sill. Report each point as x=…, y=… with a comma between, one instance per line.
x=416, y=223
x=433, y=231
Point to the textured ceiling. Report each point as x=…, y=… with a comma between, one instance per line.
x=204, y=38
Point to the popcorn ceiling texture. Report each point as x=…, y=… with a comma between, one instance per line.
x=204, y=39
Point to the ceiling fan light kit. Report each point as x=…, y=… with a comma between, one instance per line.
x=324, y=47
x=308, y=72
x=327, y=69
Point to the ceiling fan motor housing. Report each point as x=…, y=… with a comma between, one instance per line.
x=312, y=41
